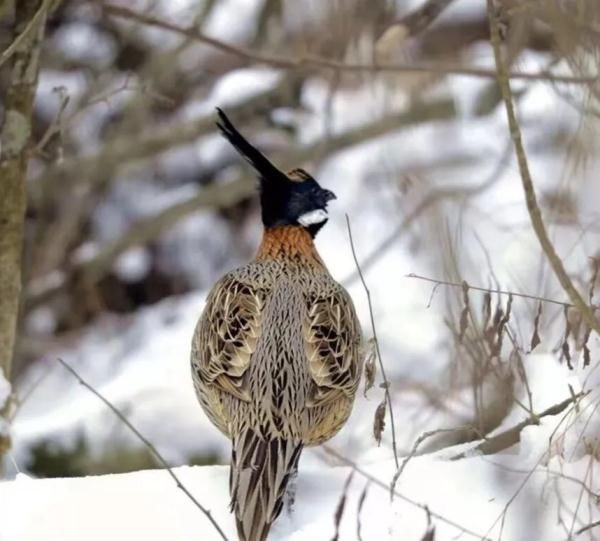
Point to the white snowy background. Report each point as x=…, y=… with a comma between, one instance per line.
x=544, y=486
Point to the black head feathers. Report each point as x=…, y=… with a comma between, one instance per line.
x=292, y=199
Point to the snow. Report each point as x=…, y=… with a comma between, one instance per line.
x=470, y=494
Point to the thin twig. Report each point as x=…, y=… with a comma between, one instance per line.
x=501, y=517
x=385, y=486
x=530, y=197
x=361, y=503
x=37, y=19
x=386, y=382
x=319, y=62
x=418, y=442
x=341, y=506
x=587, y=527
x=489, y=290
x=149, y=445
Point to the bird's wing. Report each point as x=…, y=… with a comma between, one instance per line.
x=227, y=333
x=332, y=340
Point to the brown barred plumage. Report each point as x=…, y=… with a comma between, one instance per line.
x=276, y=363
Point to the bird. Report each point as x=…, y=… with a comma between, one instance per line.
x=276, y=353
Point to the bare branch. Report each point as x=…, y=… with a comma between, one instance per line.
x=383, y=485
x=532, y=207
x=418, y=442
x=38, y=19
x=341, y=506
x=361, y=502
x=490, y=290
x=386, y=382
x=587, y=527
x=318, y=62
x=509, y=437
x=147, y=443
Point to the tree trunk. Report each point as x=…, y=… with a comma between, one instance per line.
x=30, y=16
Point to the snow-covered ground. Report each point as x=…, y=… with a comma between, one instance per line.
x=516, y=496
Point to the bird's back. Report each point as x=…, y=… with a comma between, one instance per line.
x=276, y=363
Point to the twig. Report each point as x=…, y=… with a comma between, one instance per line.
x=339, y=511
x=530, y=197
x=587, y=527
x=318, y=62
x=147, y=443
x=385, y=486
x=56, y=126
x=361, y=503
x=38, y=18
x=413, y=451
x=509, y=437
x=489, y=290
x=502, y=516
x=386, y=382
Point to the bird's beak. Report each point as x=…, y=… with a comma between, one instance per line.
x=328, y=195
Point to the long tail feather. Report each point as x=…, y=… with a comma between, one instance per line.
x=254, y=156
x=260, y=472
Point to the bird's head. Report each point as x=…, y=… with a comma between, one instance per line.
x=295, y=198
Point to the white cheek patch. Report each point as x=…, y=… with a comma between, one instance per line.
x=312, y=217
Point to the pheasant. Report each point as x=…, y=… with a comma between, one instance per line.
x=276, y=352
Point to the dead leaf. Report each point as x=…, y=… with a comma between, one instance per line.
x=379, y=421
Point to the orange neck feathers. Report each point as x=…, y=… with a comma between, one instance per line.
x=289, y=242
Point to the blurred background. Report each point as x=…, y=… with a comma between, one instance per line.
x=136, y=206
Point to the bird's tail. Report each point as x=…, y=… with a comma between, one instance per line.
x=260, y=472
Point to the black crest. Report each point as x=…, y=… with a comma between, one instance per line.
x=284, y=199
